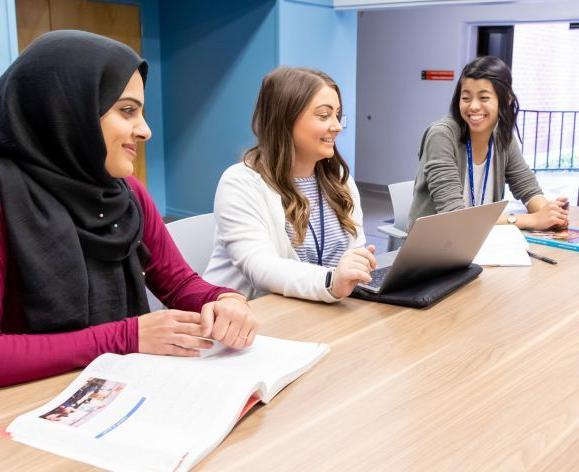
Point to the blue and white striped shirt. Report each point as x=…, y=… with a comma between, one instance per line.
x=335, y=237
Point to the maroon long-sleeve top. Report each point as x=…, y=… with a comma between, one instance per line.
x=25, y=356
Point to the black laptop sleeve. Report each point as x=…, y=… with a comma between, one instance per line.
x=425, y=293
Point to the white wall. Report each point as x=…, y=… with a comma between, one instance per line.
x=346, y=4
x=533, y=54
x=394, y=45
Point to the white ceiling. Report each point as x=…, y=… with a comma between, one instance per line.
x=368, y=4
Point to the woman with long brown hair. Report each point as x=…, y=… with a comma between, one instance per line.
x=288, y=216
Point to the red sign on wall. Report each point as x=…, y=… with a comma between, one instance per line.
x=437, y=75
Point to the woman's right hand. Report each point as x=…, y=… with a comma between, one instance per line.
x=172, y=333
x=354, y=267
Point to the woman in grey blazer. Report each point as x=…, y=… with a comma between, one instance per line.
x=467, y=157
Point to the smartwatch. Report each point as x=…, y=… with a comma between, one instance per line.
x=512, y=219
x=330, y=279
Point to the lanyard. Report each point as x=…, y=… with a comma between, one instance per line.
x=471, y=171
x=320, y=245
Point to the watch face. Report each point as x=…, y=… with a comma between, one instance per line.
x=511, y=219
x=329, y=279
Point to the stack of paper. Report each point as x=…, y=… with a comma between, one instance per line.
x=505, y=246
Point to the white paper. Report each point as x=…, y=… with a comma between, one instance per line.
x=504, y=246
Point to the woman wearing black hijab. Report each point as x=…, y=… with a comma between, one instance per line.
x=79, y=237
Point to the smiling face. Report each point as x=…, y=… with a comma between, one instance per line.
x=123, y=125
x=479, y=105
x=316, y=128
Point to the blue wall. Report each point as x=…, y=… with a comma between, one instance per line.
x=154, y=108
x=8, y=35
x=320, y=37
x=151, y=50
x=206, y=62
x=214, y=56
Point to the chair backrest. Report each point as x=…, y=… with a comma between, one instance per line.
x=195, y=237
x=401, y=194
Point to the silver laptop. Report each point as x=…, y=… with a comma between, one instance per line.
x=436, y=244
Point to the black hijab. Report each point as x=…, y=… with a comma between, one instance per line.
x=74, y=232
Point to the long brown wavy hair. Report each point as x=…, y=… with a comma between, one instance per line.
x=285, y=93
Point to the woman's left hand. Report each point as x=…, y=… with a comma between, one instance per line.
x=229, y=320
x=552, y=215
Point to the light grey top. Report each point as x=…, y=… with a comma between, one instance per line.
x=439, y=184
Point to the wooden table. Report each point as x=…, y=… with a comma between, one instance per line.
x=488, y=379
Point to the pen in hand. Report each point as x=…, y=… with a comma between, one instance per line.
x=542, y=258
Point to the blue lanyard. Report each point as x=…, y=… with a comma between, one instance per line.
x=319, y=247
x=471, y=171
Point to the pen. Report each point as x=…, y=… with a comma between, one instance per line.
x=542, y=258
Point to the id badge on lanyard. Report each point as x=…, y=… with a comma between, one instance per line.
x=319, y=244
x=471, y=171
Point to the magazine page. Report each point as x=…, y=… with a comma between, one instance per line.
x=156, y=413
x=564, y=239
x=278, y=373
x=569, y=235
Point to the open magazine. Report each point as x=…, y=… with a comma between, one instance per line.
x=564, y=239
x=141, y=412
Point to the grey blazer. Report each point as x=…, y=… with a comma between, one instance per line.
x=439, y=183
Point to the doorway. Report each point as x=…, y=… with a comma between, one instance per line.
x=496, y=41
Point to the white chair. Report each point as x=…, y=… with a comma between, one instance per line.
x=195, y=238
x=401, y=194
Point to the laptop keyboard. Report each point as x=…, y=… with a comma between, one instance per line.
x=378, y=277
